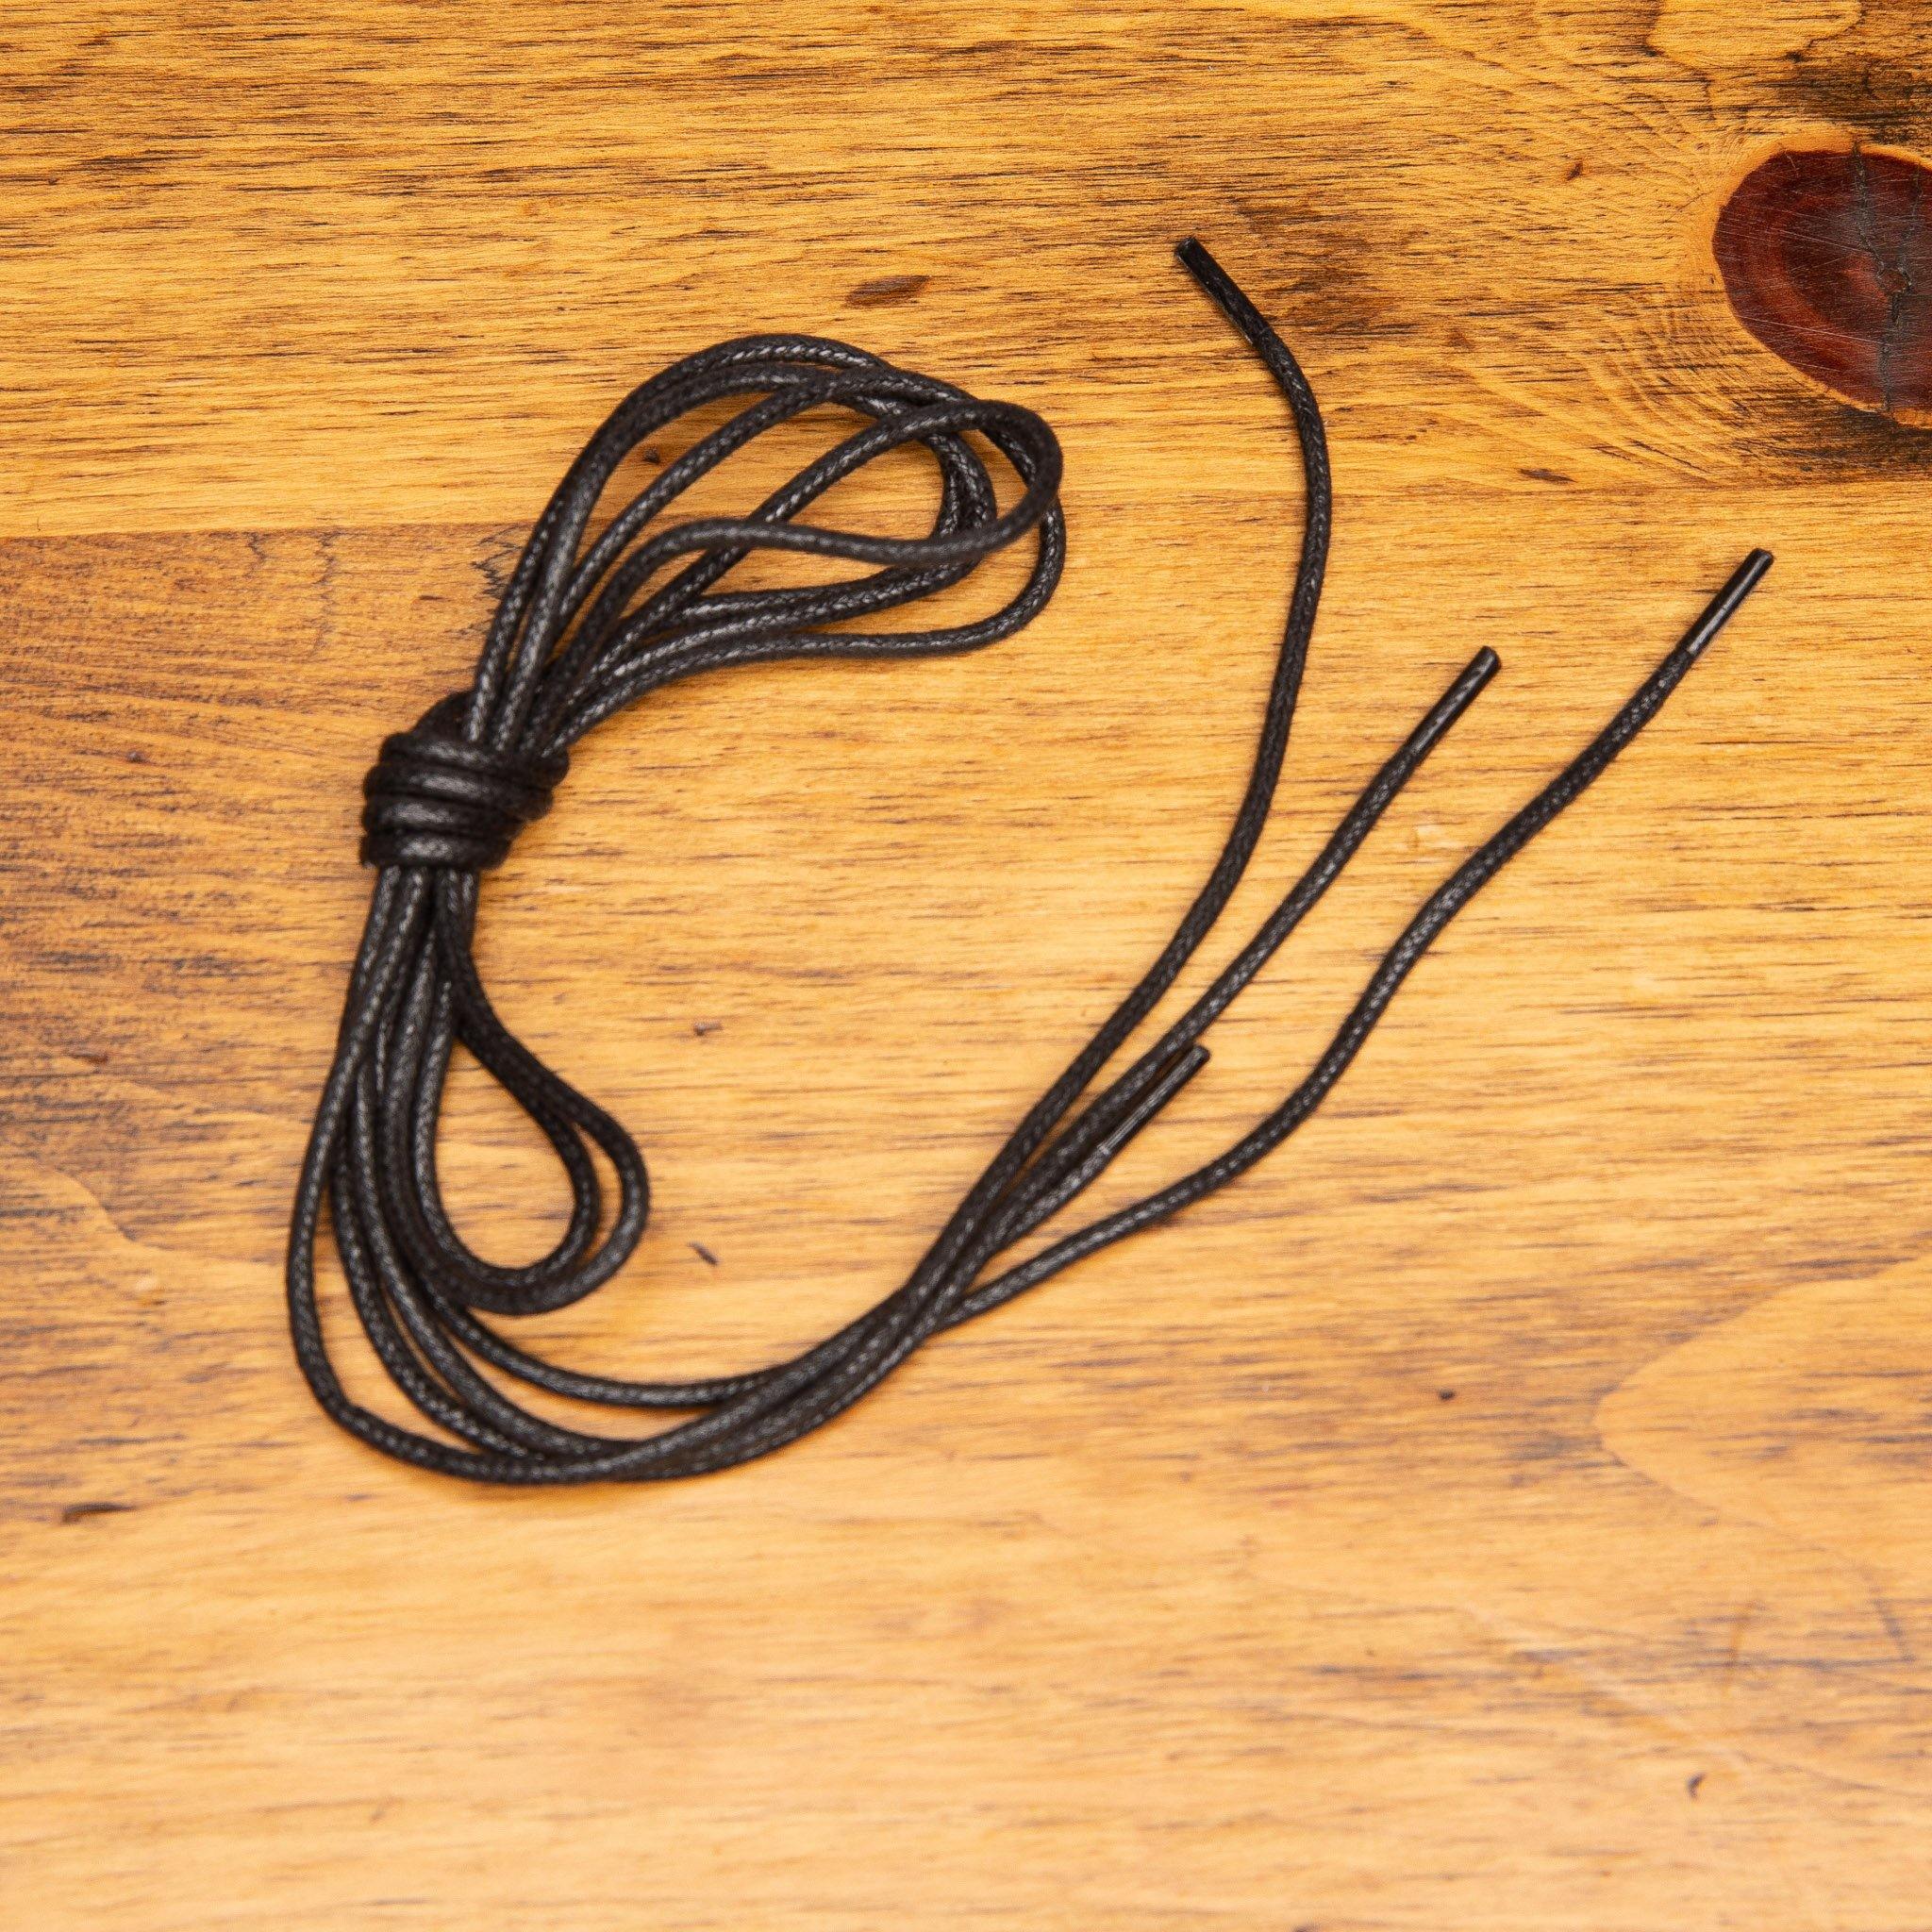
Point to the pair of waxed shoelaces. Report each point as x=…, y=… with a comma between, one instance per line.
x=585, y=627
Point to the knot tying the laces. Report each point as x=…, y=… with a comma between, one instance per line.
x=436, y=800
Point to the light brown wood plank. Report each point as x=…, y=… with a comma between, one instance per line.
x=1504, y=1509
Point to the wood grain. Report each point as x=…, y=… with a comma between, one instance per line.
x=1506, y=1509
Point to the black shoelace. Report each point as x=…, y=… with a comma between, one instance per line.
x=578, y=637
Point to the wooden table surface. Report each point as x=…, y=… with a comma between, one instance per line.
x=1506, y=1508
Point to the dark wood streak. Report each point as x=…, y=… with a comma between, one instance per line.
x=79, y=1512
x=875, y=294
x=1826, y=257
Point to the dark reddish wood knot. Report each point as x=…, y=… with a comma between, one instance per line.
x=1827, y=260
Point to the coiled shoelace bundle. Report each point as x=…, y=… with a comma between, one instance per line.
x=579, y=635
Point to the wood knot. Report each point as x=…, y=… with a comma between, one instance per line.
x=1826, y=257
